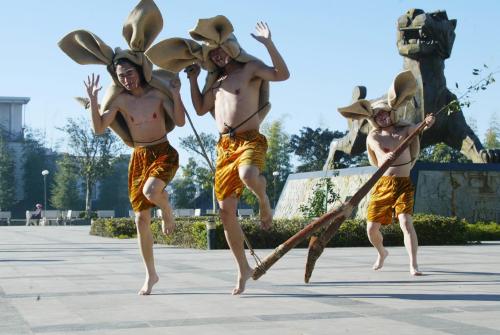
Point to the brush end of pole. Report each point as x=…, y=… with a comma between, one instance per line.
x=258, y=272
x=315, y=250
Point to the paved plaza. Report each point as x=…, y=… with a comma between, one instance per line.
x=61, y=280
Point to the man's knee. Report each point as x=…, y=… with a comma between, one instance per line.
x=142, y=221
x=226, y=213
x=372, y=228
x=227, y=209
x=405, y=222
x=152, y=192
x=249, y=175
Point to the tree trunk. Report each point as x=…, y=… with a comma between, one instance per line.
x=214, y=201
x=88, y=196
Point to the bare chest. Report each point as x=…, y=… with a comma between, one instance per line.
x=389, y=142
x=236, y=87
x=141, y=110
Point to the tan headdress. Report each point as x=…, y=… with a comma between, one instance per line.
x=142, y=26
x=175, y=54
x=401, y=91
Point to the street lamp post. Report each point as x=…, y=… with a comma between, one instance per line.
x=275, y=174
x=44, y=174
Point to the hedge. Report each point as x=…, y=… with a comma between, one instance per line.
x=191, y=232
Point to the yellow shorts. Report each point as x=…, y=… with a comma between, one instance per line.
x=390, y=195
x=247, y=148
x=160, y=161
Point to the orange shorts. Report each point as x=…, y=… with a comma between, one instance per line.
x=160, y=161
x=390, y=195
x=247, y=148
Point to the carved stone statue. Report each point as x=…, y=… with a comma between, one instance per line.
x=425, y=40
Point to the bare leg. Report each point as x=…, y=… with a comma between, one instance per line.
x=251, y=177
x=411, y=242
x=376, y=239
x=154, y=191
x=234, y=237
x=145, y=238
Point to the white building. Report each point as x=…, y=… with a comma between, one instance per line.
x=12, y=125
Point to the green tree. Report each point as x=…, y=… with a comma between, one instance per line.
x=312, y=146
x=65, y=191
x=323, y=195
x=113, y=190
x=184, y=188
x=278, y=165
x=36, y=159
x=442, y=153
x=203, y=172
x=209, y=142
x=93, y=154
x=492, y=136
x=6, y=175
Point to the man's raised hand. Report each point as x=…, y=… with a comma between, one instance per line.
x=262, y=32
x=192, y=71
x=175, y=85
x=92, y=86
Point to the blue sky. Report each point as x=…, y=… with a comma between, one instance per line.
x=329, y=49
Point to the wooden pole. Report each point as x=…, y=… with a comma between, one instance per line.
x=317, y=245
x=335, y=218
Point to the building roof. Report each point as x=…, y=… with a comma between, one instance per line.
x=19, y=100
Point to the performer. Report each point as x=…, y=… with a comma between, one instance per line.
x=236, y=94
x=141, y=106
x=394, y=192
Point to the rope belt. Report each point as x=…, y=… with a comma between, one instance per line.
x=232, y=130
x=395, y=165
x=149, y=142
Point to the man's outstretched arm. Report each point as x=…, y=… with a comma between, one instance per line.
x=202, y=103
x=99, y=122
x=179, y=116
x=279, y=71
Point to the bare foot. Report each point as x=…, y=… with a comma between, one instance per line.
x=242, y=280
x=414, y=271
x=148, y=285
x=380, y=260
x=266, y=214
x=167, y=222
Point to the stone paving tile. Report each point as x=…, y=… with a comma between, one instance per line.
x=60, y=280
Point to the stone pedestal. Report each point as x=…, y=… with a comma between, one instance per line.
x=470, y=191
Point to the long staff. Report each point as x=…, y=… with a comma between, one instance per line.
x=335, y=218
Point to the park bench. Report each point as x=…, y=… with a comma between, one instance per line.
x=5, y=218
x=70, y=216
x=245, y=212
x=106, y=214
x=51, y=217
x=183, y=212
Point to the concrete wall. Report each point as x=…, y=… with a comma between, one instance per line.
x=470, y=191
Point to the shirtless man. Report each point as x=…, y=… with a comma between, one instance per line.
x=394, y=191
x=154, y=162
x=241, y=149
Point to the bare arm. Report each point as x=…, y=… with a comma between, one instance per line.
x=99, y=122
x=429, y=121
x=202, y=102
x=279, y=71
x=179, y=116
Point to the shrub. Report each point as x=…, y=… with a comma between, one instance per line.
x=191, y=232
x=483, y=231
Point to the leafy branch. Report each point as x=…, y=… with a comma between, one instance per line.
x=464, y=99
x=323, y=195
